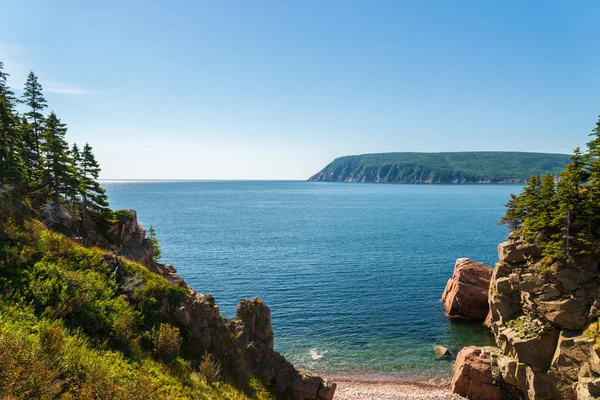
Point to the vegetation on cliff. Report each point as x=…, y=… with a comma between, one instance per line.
x=81, y=322
x=562, y=218
x=460, y=167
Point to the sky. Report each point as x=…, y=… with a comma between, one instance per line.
x=278, y=89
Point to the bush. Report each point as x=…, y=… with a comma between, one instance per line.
x=167, y=342
x=210, y=369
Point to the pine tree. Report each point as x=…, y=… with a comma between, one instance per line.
x=571, y=213
x=34, y=99
x=547, y=200
x=5, y=92
x=155, y=245
x=74, y=189
x=93, y=196
x=531, y=206
x=514, y=213
x=12, y=167
x=56, y=172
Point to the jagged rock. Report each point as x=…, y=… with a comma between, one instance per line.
x=568, y=313
x=571, y=353
x=256, y=315
x=135, y=245
x=513, y=372
x=466, y=293
x=535, y=350
x=253, y=334
x=473, y=376
x=247, y=341
x=588, y=389
x=442, y=352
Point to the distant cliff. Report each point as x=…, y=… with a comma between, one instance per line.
x=459, y=167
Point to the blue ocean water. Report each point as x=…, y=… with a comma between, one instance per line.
x=353, y=273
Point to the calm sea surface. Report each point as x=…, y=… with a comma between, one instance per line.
x=353, y=273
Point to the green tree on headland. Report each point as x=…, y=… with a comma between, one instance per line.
x=61, y=183
x=34, y=99
x=564, y=218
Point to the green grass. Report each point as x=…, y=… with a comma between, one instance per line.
x=71, y=329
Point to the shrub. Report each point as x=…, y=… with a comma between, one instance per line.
x=210, y=368
x=167, y=342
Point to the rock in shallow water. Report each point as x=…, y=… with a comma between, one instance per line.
x=466, y=293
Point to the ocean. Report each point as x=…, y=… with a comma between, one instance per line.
x=353, y=273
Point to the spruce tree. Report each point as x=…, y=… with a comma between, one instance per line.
x=514, y=213
x=12, y=167
x=5, y=92
x=75, y=184
x=34, y=99
x=56, y=170
x=93, y=196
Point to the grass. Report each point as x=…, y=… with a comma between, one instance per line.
x=70, y=328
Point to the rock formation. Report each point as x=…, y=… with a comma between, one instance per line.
x=466, y=293
x=246, y=342
x=134, y=244
x=545, y=322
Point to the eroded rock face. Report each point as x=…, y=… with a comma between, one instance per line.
x=475, y=374
x=246, y=341
x=466, y=293
x=538, y=314
x=253, y=334
x=135, y=245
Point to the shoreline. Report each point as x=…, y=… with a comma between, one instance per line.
x=368, y=387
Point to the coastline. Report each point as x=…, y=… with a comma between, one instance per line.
x=388, y=388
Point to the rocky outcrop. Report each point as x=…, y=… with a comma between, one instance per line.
x=544, y=319
x=253, y=335
x=466, y=293
x=133, y=243
x=475, y=374
x=246, y=342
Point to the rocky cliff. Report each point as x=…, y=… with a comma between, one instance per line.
x=545, y=322
x=458, y=167
x=244, y=345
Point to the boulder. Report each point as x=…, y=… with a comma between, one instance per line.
x=473, y=376
x=442, y=352
x=466, y=293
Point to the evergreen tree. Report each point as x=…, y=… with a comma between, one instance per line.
x=93, y=196
x=56, y=172
x=155, y=245
x=5, y=92
x=514, y=213
x=531, y=206
x=34, y=99
x=12, y=167
x=547, y=200
x=29, y=155
x=75, y=184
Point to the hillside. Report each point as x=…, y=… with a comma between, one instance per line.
x=458, y=167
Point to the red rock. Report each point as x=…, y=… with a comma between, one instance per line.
x=466, y=293
x=472, y=376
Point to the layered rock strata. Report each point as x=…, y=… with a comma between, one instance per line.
x=545, y=322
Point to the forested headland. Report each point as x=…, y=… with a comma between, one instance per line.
x=457, y=167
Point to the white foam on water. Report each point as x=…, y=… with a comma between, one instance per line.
x=315, y=355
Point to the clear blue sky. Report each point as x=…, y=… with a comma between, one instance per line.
x=277, y=89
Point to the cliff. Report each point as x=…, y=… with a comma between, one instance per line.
x=458, y=167
x=86, y=322
x=246, y=341
x=545, y=322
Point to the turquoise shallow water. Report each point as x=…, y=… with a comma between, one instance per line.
x=353, y=273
